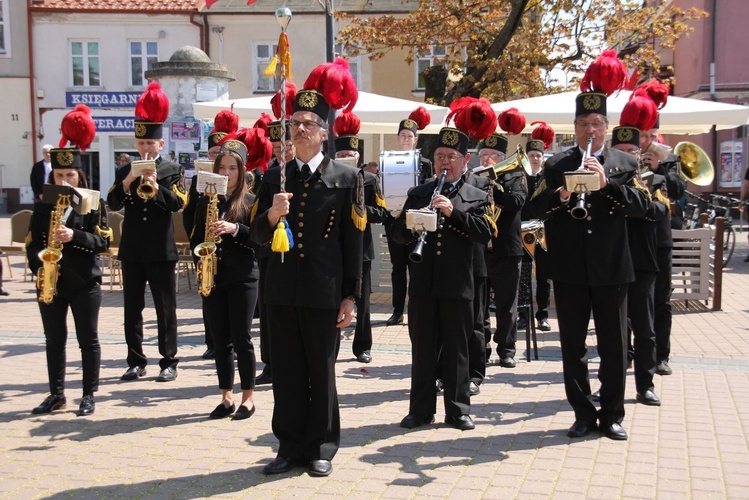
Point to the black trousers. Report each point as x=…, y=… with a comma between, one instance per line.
x=230, y=308
x=160, y=275
x=363, y=331
x=640, y=313
x=543, y=283
x=85, y=305
x=264, y=335
x=207, y=329
x=609, y=307
x=436, y=324
x=504, y=276
x=476, y=339
x=306, y=418
x=662, y=304
x=399, y=261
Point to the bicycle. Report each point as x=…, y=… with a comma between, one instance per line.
x=716, y=206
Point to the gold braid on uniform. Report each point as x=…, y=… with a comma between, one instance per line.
x=179, y=189
x=103, y=229
x=663, y=199
x=642, y=187
x=379, y=195
x=492, y=212
x=253, y=212
x=358, y=211
x=540, y=189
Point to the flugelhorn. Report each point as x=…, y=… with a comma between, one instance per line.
x=694, y=164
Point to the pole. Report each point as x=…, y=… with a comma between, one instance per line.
x=329, y=57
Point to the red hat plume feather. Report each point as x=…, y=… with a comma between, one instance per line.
x=543, y=133
x=78, y=127
x=263, y=122
x=421, y=116
x=259, y=148
x=657, y=91
x=346, y=124
x=226, y=121
x=335, y=82
x=605, y=74
x=511, y=121
x=275, y=101
x=473, y=116
x=640, y=112
x=152, y=105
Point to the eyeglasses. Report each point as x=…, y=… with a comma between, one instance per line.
x=452, y=158
x=493, y=156
x=309, y=124
x=597, y=125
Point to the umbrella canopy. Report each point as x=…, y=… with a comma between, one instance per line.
x=680, y=116
x=378, y=114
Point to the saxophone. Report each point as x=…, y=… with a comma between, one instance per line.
x=46, y=277
x=208, y=264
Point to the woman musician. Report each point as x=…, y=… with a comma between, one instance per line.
x=78, y=286
x=230, y=303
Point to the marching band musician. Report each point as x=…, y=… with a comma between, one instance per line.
x=408, y=130
x=441, y=291
x=311, y=286
x=231, y=302
x=675, y=187
x=225, y=122
x=79, y=284
x=148, y=250
x=347, y=144
x=589, y=259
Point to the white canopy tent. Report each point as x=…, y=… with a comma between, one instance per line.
x=378, y=114
x=679, y=116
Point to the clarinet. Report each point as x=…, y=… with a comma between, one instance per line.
x=417, y=253
x=579, y=211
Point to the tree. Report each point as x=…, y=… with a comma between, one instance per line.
x=507, y=49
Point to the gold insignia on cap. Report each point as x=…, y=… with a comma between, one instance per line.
x=219, y=135
x=409, y=123
x=354, y=143
x=64, y=158
x=275, y=133
x=450, y=138
x=307, y=100
x=491, y=141
x=624, y=134
x=592, y=101
x=140, y=130
x=535, y=143
x=232, y=145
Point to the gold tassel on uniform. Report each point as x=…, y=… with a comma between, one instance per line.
x=280, y=241
x=493, y=224
x=107, y=233
x=358, y=211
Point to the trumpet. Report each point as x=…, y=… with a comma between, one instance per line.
x=579, y=211
x=418, y=251
x=145, y=190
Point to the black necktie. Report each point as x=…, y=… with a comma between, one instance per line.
x=306, y=172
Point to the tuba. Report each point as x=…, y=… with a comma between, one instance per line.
x=46, y=277
x=694, y=164
x=206, y=251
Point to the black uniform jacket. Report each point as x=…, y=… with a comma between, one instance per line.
x=533, y=182
x=675, y=187
x=78, y=269
x=641, y=233
x=510, y=200
x=236, y=262
x=593, y=251
x=147, y=230
x=325, y=264
x=485, y=184
x=37, y=179
x=375, y=213
x=447, y=267
x=188, y=214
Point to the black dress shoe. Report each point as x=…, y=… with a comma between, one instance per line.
x=134, y=373
x=543, y=325
x=614, y=431
x=412, y=420
x=580, y=428
x=222, y=411
x=280, y=465
x=209, y=353
x=596, y=397
x=662, y=368
x=365, y=357
x=463, y=422
x=507, y=362
x=320, y=468
x=87, y=406
x=52, y=403
x=167, y=374
x=264, y=378
x=473, y=388
x=648, y=398
x=395, y=319
x=243, y=413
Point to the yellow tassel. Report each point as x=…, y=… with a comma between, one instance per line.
x=284, y=53
x=105, y=233
x=271, y=69
x=493, y=224
x=380, y=201
x=360, y=221
x=280, y=241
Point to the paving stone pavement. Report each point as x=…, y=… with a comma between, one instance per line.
x=151, y=440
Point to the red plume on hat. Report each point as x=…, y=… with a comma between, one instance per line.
x=263, y=122
x=259, y=148
x=226, y=121
x=543, y=133
x=421, y=116
x=657, y=91
x=640, y=112
x=78, y=127
x=473, y=116
x=152, y=105
x=275, y=101
x=346, y=124
x=335, y=82
x=605, y=74
x=511, y=121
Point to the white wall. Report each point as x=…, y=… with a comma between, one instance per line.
x=17, y=156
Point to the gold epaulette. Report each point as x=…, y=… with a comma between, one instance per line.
x=358, y=212
x=493, y=224
x=663, y=199
x=179, y=190
x=380, y=201
x=642, y=187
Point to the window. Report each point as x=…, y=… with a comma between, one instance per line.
x=264, y=52
x=427, y=58
x=353, y=61
x=84, y=60
x=4, y=29
x=142, y=57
